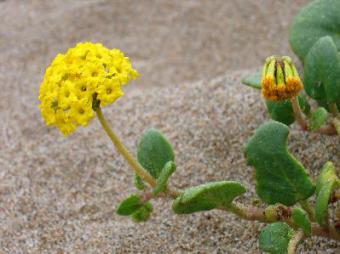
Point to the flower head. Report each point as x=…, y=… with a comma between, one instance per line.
x=280, y=79
x=87, y=75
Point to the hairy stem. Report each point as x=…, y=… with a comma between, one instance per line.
x=145, y=175
x=293, y=243
x=298, y=113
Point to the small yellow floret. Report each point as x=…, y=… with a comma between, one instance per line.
x=73, y=80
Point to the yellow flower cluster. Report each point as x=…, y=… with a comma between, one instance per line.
x=280, y=79
x=86, y=74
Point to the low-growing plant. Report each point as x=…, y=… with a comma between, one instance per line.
x=88, y=77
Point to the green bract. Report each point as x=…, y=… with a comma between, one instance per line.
x=326, y=183
x=154, y=151
x=275, y=238
x=318, y=19
x=207, y=196
x=280, y=178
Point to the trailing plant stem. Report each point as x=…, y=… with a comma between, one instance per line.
x=298, y=113
x=258, y=214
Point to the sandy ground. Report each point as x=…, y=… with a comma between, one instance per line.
x=58, y=195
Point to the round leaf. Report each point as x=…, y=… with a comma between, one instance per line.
x=154, y=151
x=318, y=19
x=322, y=71
x=275, y=238
x=280, y=178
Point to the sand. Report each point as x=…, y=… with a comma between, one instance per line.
x=59, y=195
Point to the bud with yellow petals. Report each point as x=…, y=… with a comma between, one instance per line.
x=280, y=79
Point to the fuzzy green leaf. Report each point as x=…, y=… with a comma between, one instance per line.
x=282, y=111
x=275, y=238
x=325, y=185
x=253, y=80
x=129, y=205
x=322, y=71
x=318, y=118
x=207, y=196
x=163, y=178
x=318, y=19
x=143, y=213
x=154, y=151
x=280, y=178
x=301, y=219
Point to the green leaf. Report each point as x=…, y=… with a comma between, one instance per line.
x=163, y=178
x=207, y=196
x=143, y=213
x=318, y=118
x=275, y=238
x=154, y=151
x=139, y=184
x=318, y=19
x=301, y=219
x=282, y=111
x=253, y=80
x=326, y=183
x=280, y=178
x=322, y=71
x=129, y=205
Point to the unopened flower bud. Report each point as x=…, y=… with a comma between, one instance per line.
x=280, y=79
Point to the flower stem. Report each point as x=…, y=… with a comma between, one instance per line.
x=298, y=113
x=293, y=243
x=124, y=151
